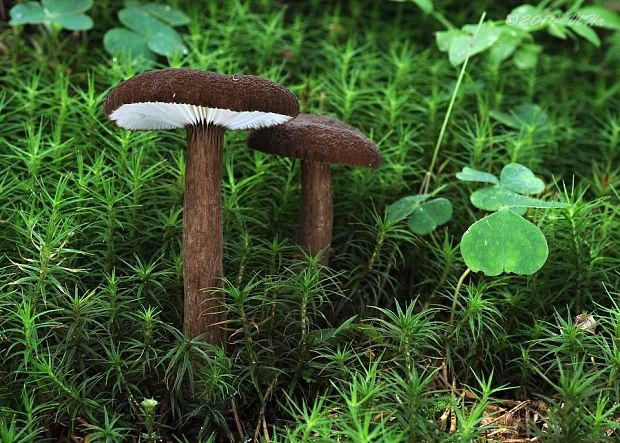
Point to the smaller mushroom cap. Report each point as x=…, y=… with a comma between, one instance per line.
x=175, y=98
x=316, y=138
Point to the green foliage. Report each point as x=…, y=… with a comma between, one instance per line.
x=429, y=215
x=473, y=175
x=148, y=32
x=424, y=215
x=91, y=239
x=60, y=14
x=528, y=118
x=515, y=180
x=513, y=37
x=148, y=406
x=425, y=5
x=459, y=43
x=505, y=241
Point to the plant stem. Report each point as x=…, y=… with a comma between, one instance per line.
x=202, y=233
x=456, y=296
x=427, y=177
x=316, y=209
x=576, y=240
x=441, y=19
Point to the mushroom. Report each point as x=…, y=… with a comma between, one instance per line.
x=318, y=141
x=206, y=104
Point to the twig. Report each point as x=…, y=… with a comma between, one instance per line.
x=521, y=405
x=240, y=429
x=261, y=415
x=265, y=430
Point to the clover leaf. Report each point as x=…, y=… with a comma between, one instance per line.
x=402, y=208
x=67, y=14
x=149, y=32
x=600, y=16
x=460, y=43
x=496, y=198
x=520, y=179
x=118, y=41
x=167, y=14
x=473, y=175
x=504, y=242
x=525, y=117
x=515, y=180
x=424, y=216
x=29, y=13
x=506, y=44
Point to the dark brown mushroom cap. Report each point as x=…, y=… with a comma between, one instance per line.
x=327, y=121
x=319, y=139
x=207, y=89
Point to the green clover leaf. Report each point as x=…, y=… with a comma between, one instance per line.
x=504, y=242
x=426, y=217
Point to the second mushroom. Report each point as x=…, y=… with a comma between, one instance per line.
x=318, y=141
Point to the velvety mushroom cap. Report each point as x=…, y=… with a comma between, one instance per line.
x=175, y=98
x=318, y=139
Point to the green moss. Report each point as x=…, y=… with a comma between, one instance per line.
x=90, y=240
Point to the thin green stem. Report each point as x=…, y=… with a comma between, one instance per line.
x=441, y=19
x=456, y=296
x=427, y=177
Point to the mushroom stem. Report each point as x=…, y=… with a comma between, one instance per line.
x=316, y=209
x=202, y=233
